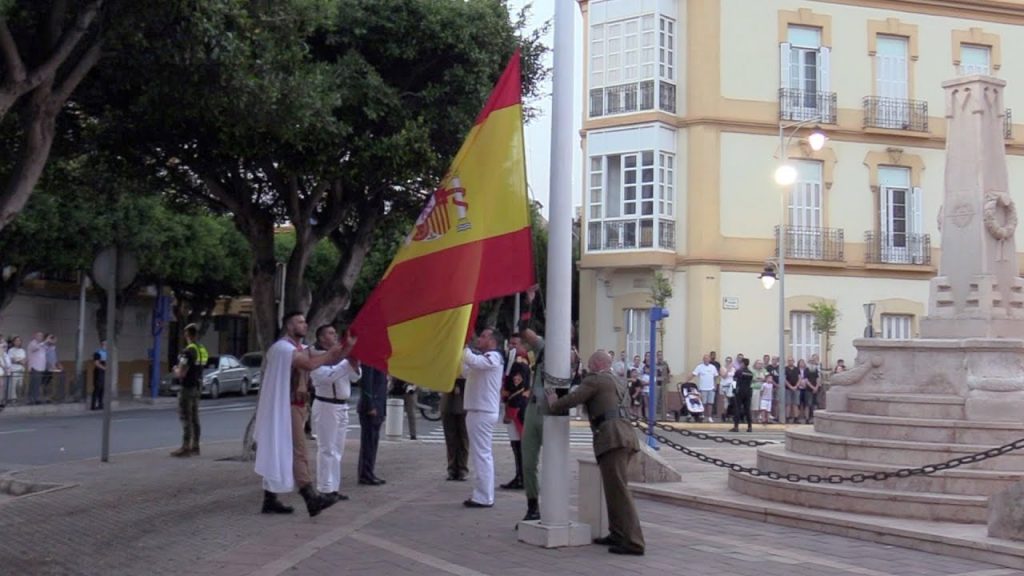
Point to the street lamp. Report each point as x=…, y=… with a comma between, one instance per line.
x=768, y=276
x=785, y=176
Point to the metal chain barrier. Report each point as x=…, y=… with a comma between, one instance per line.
x=556, y=382
x=705, y=436
x=816, y=478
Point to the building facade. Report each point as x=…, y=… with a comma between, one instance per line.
x=683, y=102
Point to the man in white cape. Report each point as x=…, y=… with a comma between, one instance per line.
x=281, y=457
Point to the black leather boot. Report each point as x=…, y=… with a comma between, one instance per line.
x=271, y=505
x=532, y=510
x=315, y=502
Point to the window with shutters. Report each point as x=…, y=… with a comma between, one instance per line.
x=804, y=341
x=891, y=106
x=632, y=65
x=804, y=77
x=897, y=326
x=638, y=331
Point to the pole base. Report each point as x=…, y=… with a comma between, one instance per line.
x=536, y=533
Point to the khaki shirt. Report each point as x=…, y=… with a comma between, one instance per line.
x=601, y=393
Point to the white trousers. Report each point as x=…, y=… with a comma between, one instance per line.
x=480, y=427
x=330, y=422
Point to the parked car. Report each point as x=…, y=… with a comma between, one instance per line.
x=253, y=361
x=221, y=374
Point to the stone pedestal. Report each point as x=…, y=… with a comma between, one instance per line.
x=539, y=534
x=1006, y=513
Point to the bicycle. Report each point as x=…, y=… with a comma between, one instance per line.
x=429, y=403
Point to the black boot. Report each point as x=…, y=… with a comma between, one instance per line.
x=532, y=510
x=271, y=505
x=315, y=502
x=517, y=482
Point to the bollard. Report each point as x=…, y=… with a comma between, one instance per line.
x=136, y=386
x=395, y=419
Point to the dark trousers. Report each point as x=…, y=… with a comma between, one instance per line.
x=623, y=521
x=456, y=441
x=35, y=385
x=369, y=438
x=99, y=382
x=741, y=407
x=188, y=412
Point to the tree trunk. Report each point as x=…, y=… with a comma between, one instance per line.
x=39, y=126
x=336, y=293
x=297, y=295
x=264, y=311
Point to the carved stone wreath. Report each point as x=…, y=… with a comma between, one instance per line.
x=995, y=202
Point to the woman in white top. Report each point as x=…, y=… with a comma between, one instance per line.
x=728, y=387
x=17, y=359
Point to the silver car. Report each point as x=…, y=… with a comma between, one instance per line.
x=221, y=374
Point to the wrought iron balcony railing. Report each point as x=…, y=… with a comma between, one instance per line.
x=805, y=243
x=632, y=97
x=895, y=114
x=631, y=234
x=898, y=248
x=801, y=105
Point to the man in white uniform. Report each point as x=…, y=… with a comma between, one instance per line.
x=483, y=371
x=332, y=386
x=281, y=415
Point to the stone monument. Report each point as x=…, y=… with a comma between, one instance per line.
x=956, y=391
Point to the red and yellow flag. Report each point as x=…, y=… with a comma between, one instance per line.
x=471, y=243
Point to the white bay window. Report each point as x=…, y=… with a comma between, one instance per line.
x=632, y=65
x=631, y=201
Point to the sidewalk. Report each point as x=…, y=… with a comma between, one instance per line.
x=146, y=513
x=83, y=407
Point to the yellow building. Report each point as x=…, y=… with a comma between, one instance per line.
x=683, y=104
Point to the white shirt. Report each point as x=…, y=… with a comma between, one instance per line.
x=483, y=380
x=335, y=381
x=705, y=374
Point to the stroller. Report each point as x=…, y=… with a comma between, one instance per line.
x=693, y=407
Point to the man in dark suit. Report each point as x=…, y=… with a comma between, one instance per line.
x=456, y=438
x=372, y=408
x=614, y=444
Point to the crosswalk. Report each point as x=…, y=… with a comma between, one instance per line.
x=578, y=437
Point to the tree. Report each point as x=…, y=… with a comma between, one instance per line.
x=47, y=48
x=336, y=116
x=826, y=318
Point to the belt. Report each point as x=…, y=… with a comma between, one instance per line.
x=612, y=414
x=330, y=400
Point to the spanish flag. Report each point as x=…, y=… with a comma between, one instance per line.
x=471, y=243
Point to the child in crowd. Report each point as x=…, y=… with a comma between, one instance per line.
x=767, y=389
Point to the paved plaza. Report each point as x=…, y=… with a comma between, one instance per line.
x=146, y=513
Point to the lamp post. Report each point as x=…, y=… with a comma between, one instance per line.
x=785, y=176
x=657, y=315
x=869, y=313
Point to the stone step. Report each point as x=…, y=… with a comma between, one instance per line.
x=917, y=429
x=878, y=501
x=895, y=452
x=933, y=406
x=956, y=481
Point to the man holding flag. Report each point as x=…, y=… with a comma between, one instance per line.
x=471, y=243
x=483, y=370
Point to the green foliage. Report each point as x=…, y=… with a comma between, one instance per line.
x=661, y=289
x=826, y=317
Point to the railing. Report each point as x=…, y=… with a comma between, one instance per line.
x=801, y=105
x=28, y=388
x=1008, y=125
x=632, y=97
x=972, y=69
x=898, y=248
x=631, y=234
x=804, y=243
x=895, y=114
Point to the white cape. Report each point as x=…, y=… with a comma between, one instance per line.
x=274, y=420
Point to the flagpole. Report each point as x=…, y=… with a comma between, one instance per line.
x=555, y=529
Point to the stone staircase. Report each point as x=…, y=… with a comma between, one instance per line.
x=885, y=432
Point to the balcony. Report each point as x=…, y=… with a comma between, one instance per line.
x=1008, y=125
x=631, y=234
x=632, y=97
x=804, y=243
x=895, y=114
x=801, y=105
x=898, y=248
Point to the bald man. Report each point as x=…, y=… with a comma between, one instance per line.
x=614, y=444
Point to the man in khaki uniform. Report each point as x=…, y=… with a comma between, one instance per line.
x=614, y=444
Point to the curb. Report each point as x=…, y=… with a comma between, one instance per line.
x=18, y=488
